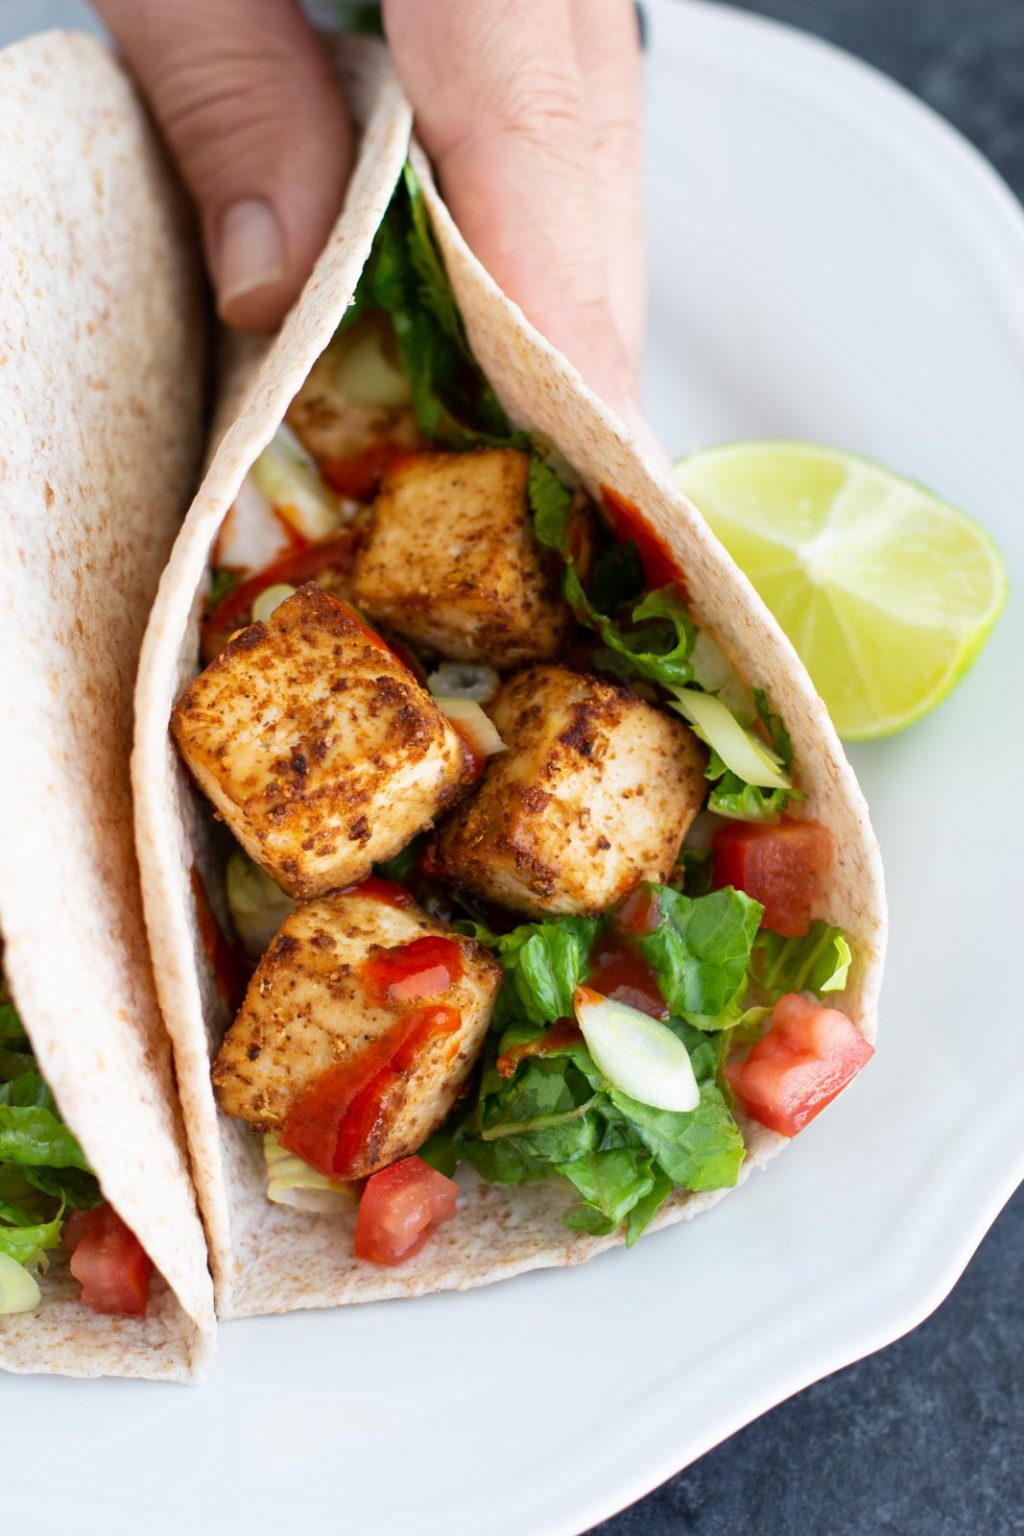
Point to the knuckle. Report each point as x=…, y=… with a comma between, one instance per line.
x=220, y=111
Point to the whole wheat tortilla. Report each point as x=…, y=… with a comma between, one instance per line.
x=267, y=1258
x=100, y=432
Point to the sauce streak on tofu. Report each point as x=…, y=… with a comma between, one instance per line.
x=341, y=1111
x=423, y=968
x=628, y=522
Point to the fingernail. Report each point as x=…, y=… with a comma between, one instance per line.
x=251, y=251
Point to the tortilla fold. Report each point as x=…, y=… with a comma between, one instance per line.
x=101, y=406
x=267, y=1258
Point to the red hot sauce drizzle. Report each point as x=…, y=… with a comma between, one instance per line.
x=343, y=1111
x=628, y=522
x=617, y=969
x=563, y=1033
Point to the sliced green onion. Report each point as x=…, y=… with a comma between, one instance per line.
x=479, y=730
x=637, y=1054
x=739, y=749
x=464, y=680
x=19, y=1290
x=269, y=599
x=258, y=905
x=844, y=959
x=364, y=371
x=292, y=1182
x=713, y=672
x=291, y=482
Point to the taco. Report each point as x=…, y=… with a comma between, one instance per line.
x=102, y=1258
x=497, y=854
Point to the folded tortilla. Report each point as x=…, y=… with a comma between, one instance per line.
x=268, y=1258
x=101, y=386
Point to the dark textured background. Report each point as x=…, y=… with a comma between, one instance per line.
x=926, y=1438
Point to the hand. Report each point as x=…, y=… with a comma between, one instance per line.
x=529, y=109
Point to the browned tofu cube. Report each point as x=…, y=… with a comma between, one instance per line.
x=451, y=561
x=359, y=1027
x=595, y=792
x=351, y=442
x=317, y=745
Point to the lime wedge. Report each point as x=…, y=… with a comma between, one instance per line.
x=887, y=593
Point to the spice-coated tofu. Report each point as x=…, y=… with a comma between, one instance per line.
x=321, y=1015
x=317, y=745
x=338, y=432
x=595, y=792
x=451, y=561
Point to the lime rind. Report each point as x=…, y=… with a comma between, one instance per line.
x=887, y=592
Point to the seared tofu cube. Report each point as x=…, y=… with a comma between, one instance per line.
x=324, y=1034
x=595, y=792
x=317, y=745
x=352, y=442
x=452, y=563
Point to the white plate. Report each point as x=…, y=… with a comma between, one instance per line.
x=829, y=261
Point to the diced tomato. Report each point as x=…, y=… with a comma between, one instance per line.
x=109, y=1262
x=780, y=866
x=401, y=1209
x=331, y=558
x=807, y=1057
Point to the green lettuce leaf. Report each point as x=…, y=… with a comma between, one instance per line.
x=37, y=1138
x=551, y=505
x=818, y=962
x=732, y=796
x=702, y=1148
x=611, y=1183
x=544, y=963
x=454, y=404
x=25, y=1243
x=656, y=642
x=700, y=953
x=648, y=1206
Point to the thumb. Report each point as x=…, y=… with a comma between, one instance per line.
x=500, y=109
x=243, y=92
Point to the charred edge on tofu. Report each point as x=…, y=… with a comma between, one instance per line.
x=462, y=540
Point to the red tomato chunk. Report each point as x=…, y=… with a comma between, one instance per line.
x=780, y=866
x=807, y=1057
x=109, y=1262
x=401, y=1209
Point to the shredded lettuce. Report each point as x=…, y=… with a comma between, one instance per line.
x=739, y=801
x=454, y=404
x=818, y=962
x=43, y=1170
x=552, y=1111
x=700, y=953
